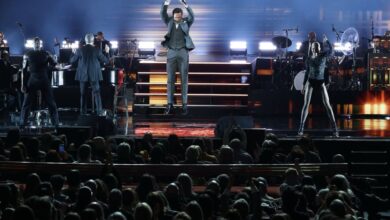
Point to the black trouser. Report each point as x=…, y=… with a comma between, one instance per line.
x=33, y=86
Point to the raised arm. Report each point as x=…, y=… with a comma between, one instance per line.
x=328, y=49
x=164, y=13
x=190, y=17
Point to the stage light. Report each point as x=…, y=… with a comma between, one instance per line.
x=146, y=48
x=241, y=61
x=70, y=45
x=238, y=45
x=342, y=47
x=266, y=46
x=75, y=45
x=30, y=43
x=5, y=41
x=238, y=48
x=375, y=108
x=298, y=45
x=65, y=44
x=114, y=44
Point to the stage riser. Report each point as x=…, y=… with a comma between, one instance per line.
x=211, y=86
x=69, y=96
x=286, y=102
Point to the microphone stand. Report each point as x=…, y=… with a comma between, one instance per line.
x=289, y=63
x=22, y=32
x=338, y=38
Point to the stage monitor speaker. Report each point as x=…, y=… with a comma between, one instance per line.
x=101, y=125
x=228, y=121
x=76, y=134
x=65, y=54
x=264, y=66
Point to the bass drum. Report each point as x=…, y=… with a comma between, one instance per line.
x=298, y=80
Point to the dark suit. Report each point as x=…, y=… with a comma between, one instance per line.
x=178, y=42
x=102, y=45
x=89, y=70
x=36, y=77
x=6, y=72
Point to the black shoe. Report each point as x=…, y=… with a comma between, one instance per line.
x=184, y=110
x=168, y=109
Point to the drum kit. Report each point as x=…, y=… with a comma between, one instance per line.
x=286, y=65
x=290, y=68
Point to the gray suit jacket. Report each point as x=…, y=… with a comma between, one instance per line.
x=88, y=67
x=184, y=25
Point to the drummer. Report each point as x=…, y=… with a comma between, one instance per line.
x=304, y=49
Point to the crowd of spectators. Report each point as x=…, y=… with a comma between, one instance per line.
x=295, y=196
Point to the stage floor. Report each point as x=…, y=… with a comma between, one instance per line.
x=282, y=126
x=204, y=126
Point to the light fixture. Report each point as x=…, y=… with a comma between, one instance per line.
x=238, y=61
x=267, y=49
x=238, y=48
x=266, y=46
x=30, y=44
x=114, y=44
x=114, y=47
x=70, y=45
x=298, y=45
x=146, y=48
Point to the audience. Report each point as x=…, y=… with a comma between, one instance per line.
x=72, y=196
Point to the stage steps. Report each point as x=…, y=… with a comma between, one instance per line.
x=372, y=166
x=212, y=86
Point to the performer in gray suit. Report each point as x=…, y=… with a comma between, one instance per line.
x=179, y=43
x=89, y=70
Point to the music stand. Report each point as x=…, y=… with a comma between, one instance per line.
x=65, y=54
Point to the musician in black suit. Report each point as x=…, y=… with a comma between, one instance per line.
x=103, y=44
x=9, y=83
x=37, y=66
x=304, y=49
x=89, y=60
x=376, y=46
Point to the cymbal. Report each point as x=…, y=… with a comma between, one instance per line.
x=281, y=42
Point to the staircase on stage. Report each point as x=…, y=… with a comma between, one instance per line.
x=215, y=89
